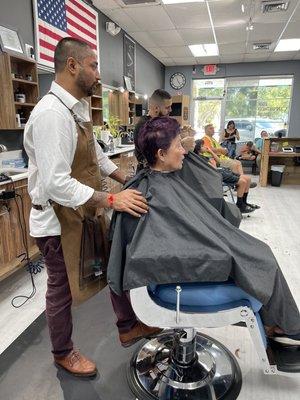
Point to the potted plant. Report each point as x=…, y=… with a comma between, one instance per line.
x=113, y=126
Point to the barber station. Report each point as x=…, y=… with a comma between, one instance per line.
x=149, y=199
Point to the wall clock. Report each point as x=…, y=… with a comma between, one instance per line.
x=177, y=81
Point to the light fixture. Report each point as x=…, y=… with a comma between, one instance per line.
x=243, y=8
x=250, y=26
x=145, y=96
x=182, y=1
x=288, y=45
x=204, y=50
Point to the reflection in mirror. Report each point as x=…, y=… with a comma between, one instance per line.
x=105, y=103
x=45, y=79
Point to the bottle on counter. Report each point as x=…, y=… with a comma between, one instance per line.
x=111, y=145
x=20, y=96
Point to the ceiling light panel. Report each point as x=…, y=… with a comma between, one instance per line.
x=181, y=1
x=288, y=45
x=204, y=50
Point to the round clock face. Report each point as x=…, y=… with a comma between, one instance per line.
x=177, y=80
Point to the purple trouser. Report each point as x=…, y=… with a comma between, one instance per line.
x=59, y=299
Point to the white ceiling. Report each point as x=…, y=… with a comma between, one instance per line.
x=167, y=30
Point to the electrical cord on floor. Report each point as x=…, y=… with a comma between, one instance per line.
x=32, y=267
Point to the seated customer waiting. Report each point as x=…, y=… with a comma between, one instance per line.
x=242, y=182
x=183, y=238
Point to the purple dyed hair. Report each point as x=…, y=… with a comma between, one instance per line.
x=158, y=133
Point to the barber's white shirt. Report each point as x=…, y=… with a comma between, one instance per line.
x=50, y=140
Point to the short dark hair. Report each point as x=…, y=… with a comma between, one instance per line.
x=198, y=146
x=69, y=47
x=249, y=144
x=159, y=95
x=156, y=134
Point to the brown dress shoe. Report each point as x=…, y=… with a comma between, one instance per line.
x=77, y=364
x=138, y=332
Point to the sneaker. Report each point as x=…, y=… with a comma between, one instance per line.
x=244, y=209
x=254, y=206
x=253, y=185
x=286, y=340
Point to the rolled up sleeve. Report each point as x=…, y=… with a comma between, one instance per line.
x=107, y=167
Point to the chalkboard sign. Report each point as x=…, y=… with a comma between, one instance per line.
x=129, y=59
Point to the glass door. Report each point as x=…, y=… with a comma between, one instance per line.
x=207, y=111
x=208, y=104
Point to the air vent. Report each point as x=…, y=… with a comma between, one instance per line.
x=136, y=2
x=274, y=6
x=261, y=46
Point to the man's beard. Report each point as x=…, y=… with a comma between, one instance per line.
x=87, y=90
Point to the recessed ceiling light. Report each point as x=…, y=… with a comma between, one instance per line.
x=204, y=50
x=181, y=1
x=288, y=45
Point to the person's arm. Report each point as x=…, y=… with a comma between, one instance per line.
x=244, y=150
x=220, y=151
x=129, y=200
x=237, y=134
x=214, y=155
x=222, y=137
x=108, y=167
x=255, y=149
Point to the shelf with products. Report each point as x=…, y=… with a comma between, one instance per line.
x=96, y=106
x=19, y=82
x=180, y=109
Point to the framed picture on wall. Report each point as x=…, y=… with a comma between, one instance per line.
x=128, y=84
x=129, y=60
x=10, y=40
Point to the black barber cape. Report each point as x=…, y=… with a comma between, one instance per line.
x=183, y=238
x=205, y=179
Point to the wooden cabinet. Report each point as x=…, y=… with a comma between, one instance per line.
x=291, y=160
x=138, y=110
x=14, y=228
x=127, y=163
x=180, y=109
x=97, y=106
x=123, y=105
x=18, y=80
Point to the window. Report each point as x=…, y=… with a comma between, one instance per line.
x=255, y=104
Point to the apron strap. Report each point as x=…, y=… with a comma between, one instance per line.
x=75, y=117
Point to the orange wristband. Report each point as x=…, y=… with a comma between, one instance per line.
x=110, y=199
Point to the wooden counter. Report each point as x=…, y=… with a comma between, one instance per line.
x=291, y=173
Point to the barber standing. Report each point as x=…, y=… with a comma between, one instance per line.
x=64, y=183
x=160, y=105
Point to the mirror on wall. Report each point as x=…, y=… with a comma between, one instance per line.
x=105, y=102
x=45, y=79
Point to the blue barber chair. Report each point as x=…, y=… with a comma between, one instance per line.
x=182, y=363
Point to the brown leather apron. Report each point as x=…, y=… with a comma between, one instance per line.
x=84, y=230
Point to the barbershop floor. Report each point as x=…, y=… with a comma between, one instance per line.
x=26, y=368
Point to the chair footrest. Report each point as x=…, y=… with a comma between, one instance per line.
x=286, y=358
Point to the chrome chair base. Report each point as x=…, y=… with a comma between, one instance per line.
x=155, y=374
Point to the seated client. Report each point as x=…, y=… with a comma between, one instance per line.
x=183, y=238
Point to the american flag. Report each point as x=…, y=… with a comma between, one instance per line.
x=56, y=19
